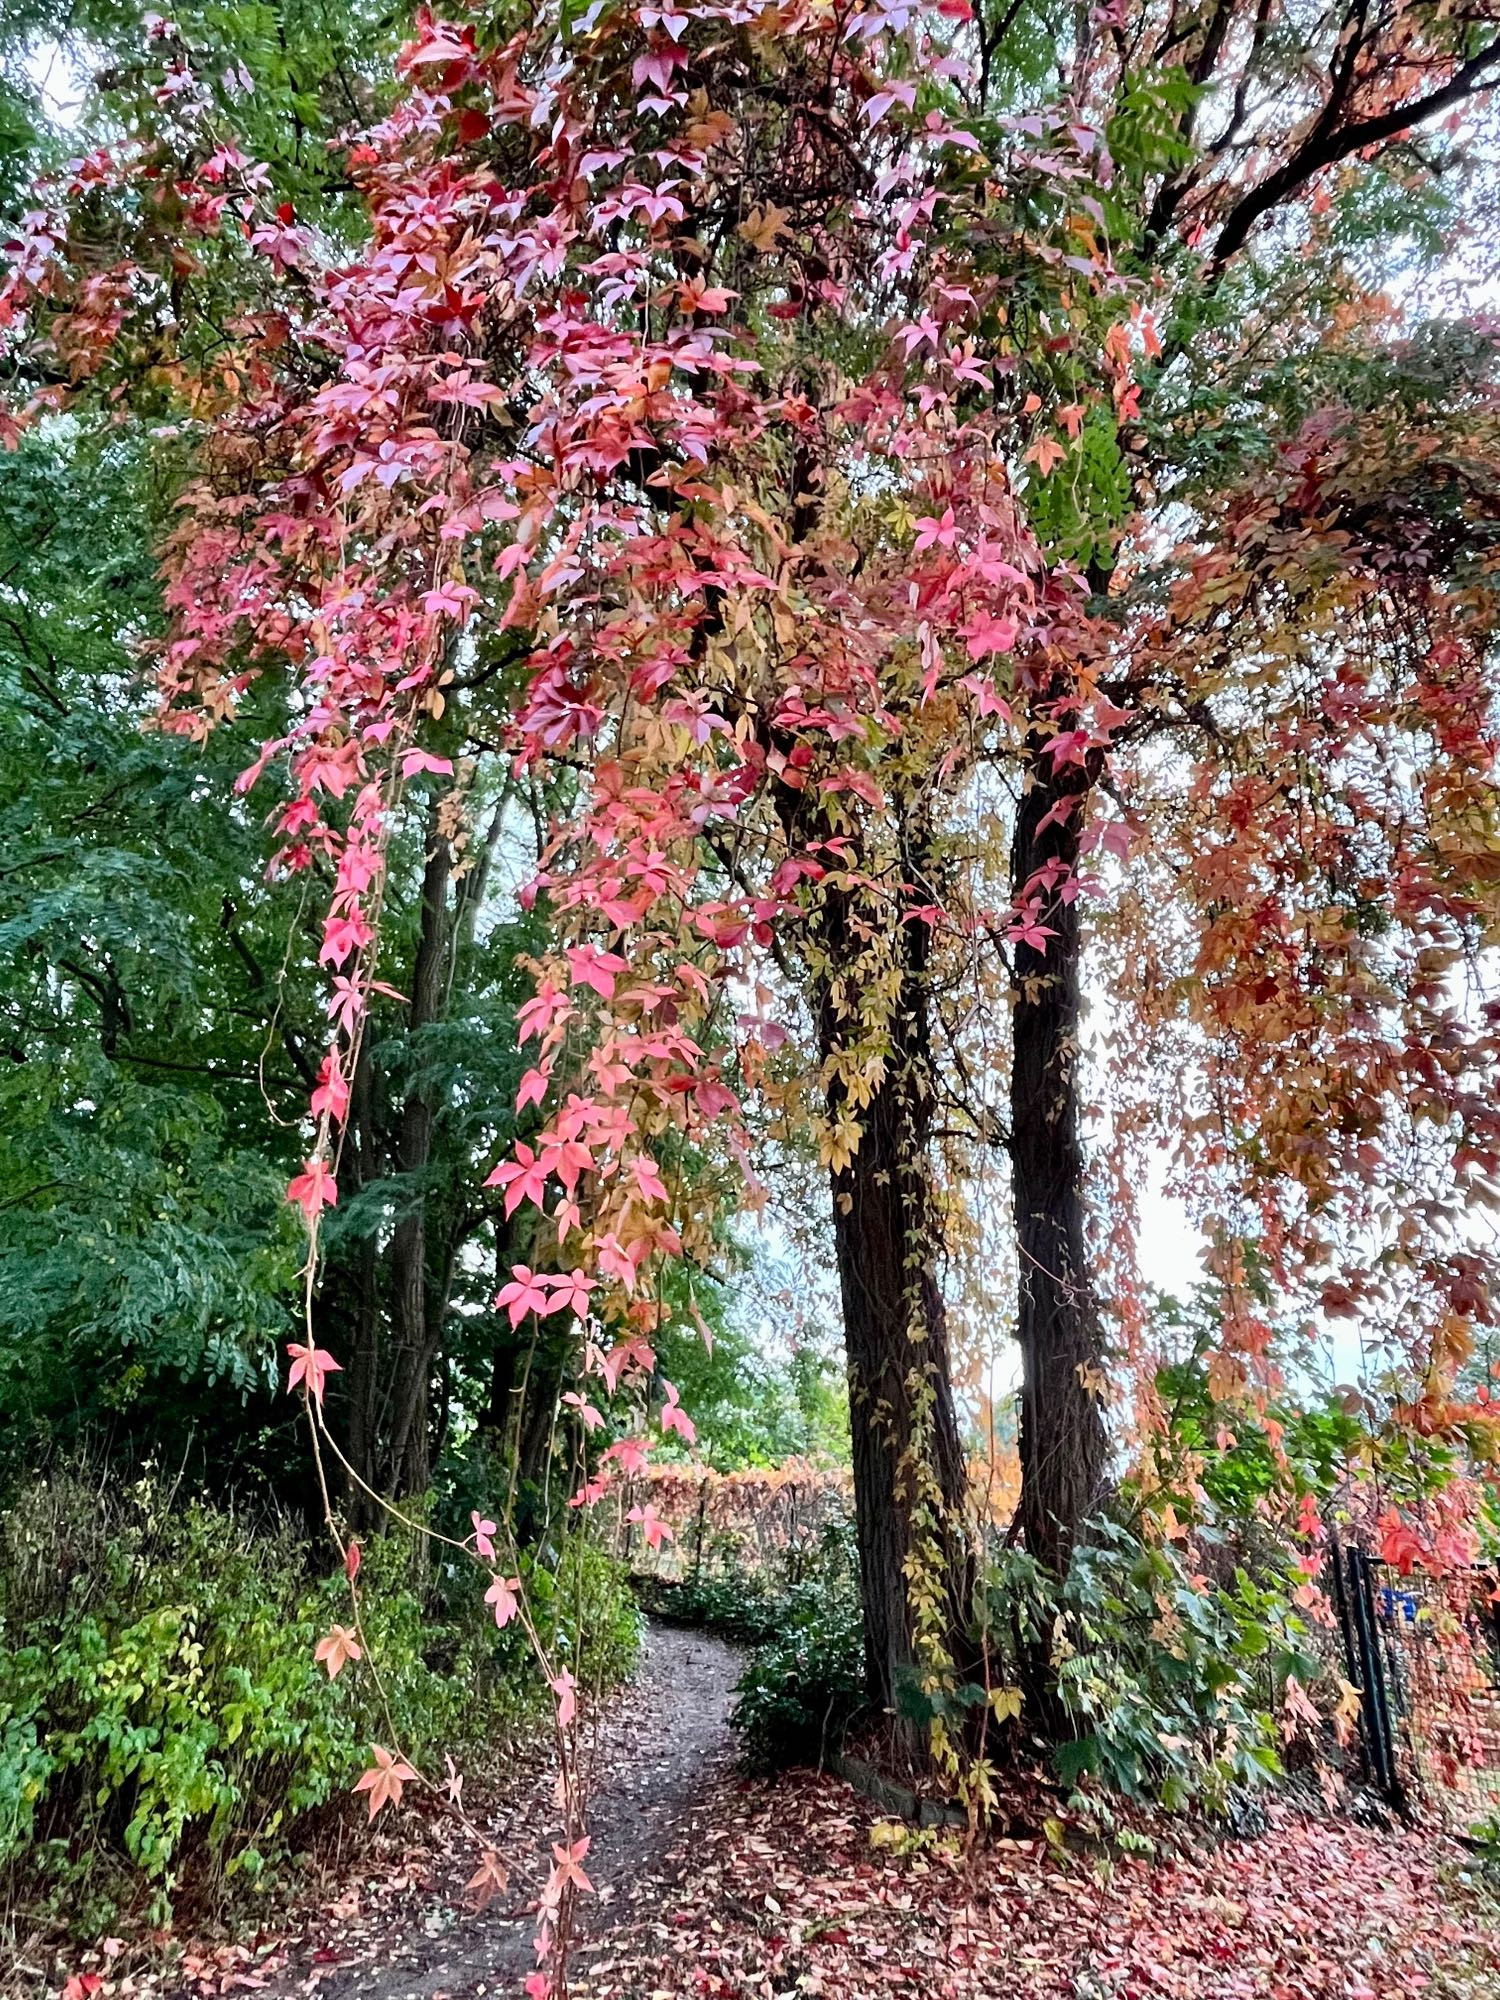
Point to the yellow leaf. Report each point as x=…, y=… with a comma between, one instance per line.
x=763, y=225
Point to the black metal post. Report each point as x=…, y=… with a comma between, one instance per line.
x=1354, y=1599
x=1382, y=1737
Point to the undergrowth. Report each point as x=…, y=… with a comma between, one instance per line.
x=164, y=1726
x=1169, y=1688
x=804, y=1683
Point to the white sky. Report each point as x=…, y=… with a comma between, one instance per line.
x=59, y=82
x=1169, y=1247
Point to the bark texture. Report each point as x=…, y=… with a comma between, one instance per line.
x=901, y=1407
x=1063, y=1444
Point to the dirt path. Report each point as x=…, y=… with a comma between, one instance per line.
x=658, y=1755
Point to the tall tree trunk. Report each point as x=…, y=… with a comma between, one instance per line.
x=350, y=1309
x=385, y=1314
x=418, y=1302
x=908, y=1457
x=1063, y=1441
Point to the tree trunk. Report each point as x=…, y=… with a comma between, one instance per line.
x=417, y=1303
x=385, y=1314
x=908, y=1459
x=1063, y=1441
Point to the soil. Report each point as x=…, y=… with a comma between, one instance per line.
x=658, y=1756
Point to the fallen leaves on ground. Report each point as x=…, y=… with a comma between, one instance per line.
x=791, y=1897
x=712, y=1887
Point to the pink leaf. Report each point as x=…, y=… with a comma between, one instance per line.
x=384, y=1780
x=571, y=1293
x=340, y=1646
x=314, y=1190
x=312, y=1366
x=564, y=1687
x=332, y=1094
x=630, y=1455
x=675, y=1418
x=598, y=969
x=524, y=1179
x=501, y=1597
x=653, y=1528
x=648, y=1179
x=533, y=1088
x=524, y=1294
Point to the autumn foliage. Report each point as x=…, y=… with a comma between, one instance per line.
x=937, y=567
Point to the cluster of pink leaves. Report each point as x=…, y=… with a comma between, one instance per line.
x=358, y=567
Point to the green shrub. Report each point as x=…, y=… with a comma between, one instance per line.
x=161, y=1709
x=742, y=1608
x=583, y=1606
x=805, y=1683
x=1482, y=1837
x=1171, y=1686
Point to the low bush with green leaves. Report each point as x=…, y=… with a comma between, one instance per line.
x=162, y=1715
x=745, y=1609
x=805, y=1683
x=1171, y=1683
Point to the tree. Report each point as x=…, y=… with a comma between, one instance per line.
x=1331, y=843
x=160, y=995
x=1201, y=133
x=146, y=1254
x=403, y=609
x=814, y=394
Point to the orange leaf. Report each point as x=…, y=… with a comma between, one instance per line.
x=384, y=1780
x=339, y=1646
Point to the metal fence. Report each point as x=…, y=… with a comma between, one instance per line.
x=1424, y=1653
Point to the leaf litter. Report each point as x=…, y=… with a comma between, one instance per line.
x=712, y=1886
